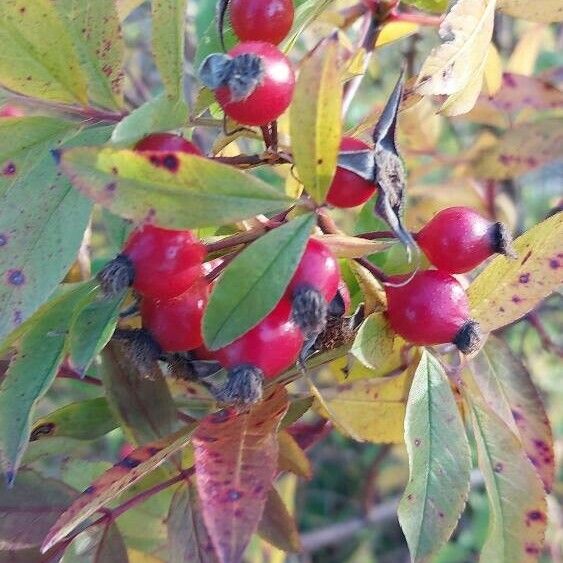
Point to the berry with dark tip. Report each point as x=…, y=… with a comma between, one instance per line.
x=243, y=387
x=166, y=142
x=432, y=308
x=262, y=20
x=271, y=85
x=165, y=262
x=458, y=239
x=348, y=189
x=272, y=346
x=176, y=323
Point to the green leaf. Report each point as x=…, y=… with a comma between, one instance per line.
x=42, y=226
x=98, y=544
x=254, y=282
x=507, y=387
x=507, y=289
x=30, y=374
x=374, y=341
x=91, y=328
x=439, y=462
x=83, y=420
x=143, y=406
x=159, y=114
x=198, y=193
x=38, y=58
x=115, y=481
x=188, y=539
x=29, y=509
x=277, y=526
x=429, y=5
x=168, y=39
x=210, y=42
x=518, y=511
x=96, y=32
x=305, y=13
x=23, y=143
x=315, y=120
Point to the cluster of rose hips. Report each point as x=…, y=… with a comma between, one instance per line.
x=166, y=269
x=254, y=81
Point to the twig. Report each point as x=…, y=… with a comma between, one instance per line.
x=376, y=235
x=547, y=343
x=214, y=274
x=66, y=372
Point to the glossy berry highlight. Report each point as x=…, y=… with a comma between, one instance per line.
x=348, y=189
x=165, y=262
x=175, y=323
x=166, y=142
x=432, y=308
x=261, y=20
x=273, y=89
x=272, y=346
x=458, y=239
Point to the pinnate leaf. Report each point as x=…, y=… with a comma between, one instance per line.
x=83, y=420
x=181, y=191
x=546, y=11
x=115, y=481
x=254, y=282
x=96, y=33
x=314, y=119
x=508, y=289
x=521, y=149
x=456, y=67
x=517, y=503
x=32, y=370
x=188, y=539
x=509, y=392
x=38, y=58
x=439, y=462
x=236, y=458
x=168, y=19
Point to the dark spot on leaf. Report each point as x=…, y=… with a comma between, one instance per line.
x=91, y=489
x=417, y=442
x=114, y=170
x=9, y=169
x=170, y=162
x=3, y=240
x=498, y=468
x=526, y=257
x=18, y=317
x=524, y=278
x=111, y=187
x=517, y=416
x=509, y=80
x=258, y=489
x=319, y=161
x=410, y=497
x=554, y=263
x=536, y=516
x=440, y=514
x=516, y=299
x=129, y=462
x=15, y=277
x=233, y=495
x=532, y=549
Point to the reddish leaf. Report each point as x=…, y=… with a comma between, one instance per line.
x=188, y=539
x=508, y=389
x=236, y=459
x=29, y=509
x=115, y=481
x=308, y=434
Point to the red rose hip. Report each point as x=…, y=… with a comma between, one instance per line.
x=271, y=84
x=458, y=239
x=165, y=262
x=261, y=20
x=175, y=323
x=432, y=308
x=349, y=189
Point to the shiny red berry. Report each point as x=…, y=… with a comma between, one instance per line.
x=272, y=346
x=273, y=93
x=349, y=189
x=166, y=142
x=176, y=323
x=319, y=269
x=165, y=262
x=458, y=239
x=262, y=20
x=432, y=308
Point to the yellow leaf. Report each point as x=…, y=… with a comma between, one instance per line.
x=356, y=65
x=371, y=410
x=374, y=341
x=314, y=119
x=493, y=71
x=546, y=11
x=374, y=294
x=420, y=126
x=394, y=31
x=523, y=58
x=508, y=289
x=456, y=67
x=140, y=557
x=291, y=457
x=344, y=246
